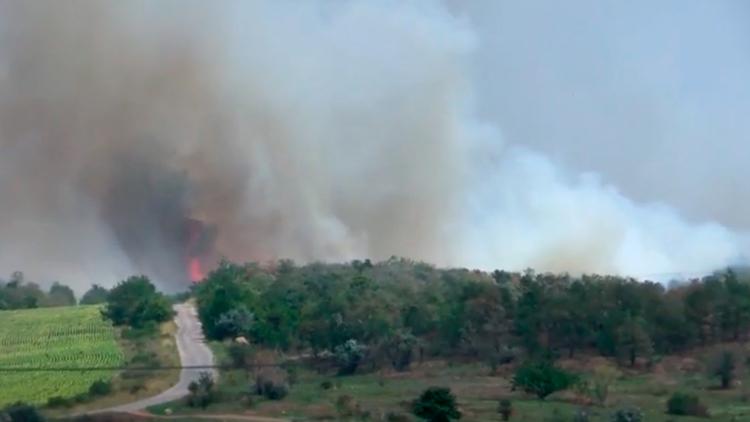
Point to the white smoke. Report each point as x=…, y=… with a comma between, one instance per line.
x=308, y=130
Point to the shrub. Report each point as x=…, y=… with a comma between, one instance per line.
x=400, y=349
x=21, y=412
x=627, y=414
x=201, y=391
x=603, y=377
x=272, y=383
x=582, y=415
x=397, y=417
x=58, y=401
x=436, y=404
x=348, y=356
x=326, y=385
x=100, y=388
x=542, y=378
x=241, y=355
x=505, y=409
x=234, y=323
x=347, y=407
x=686, y=405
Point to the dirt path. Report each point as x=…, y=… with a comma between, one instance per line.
x=250, y=418
x=193, y=352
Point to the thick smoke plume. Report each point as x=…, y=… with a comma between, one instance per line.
x=137, y=137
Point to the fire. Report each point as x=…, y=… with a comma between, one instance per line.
x=195, y=271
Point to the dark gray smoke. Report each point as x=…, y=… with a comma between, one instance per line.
x=135, y=137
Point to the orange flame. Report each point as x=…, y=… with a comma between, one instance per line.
x=195, y=272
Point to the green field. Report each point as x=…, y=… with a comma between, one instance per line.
x=72, y=337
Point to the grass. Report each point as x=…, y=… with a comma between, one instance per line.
x=51, y=338
x=478, y=393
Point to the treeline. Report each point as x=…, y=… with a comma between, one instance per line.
x=394, y=311
x=19, y=293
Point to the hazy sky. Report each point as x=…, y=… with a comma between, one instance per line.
x=144, y=137
x=653, y=96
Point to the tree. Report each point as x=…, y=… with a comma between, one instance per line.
x=436, y=404
x=723, y=368
x=136, y=303
x=60, y=295
x=633, y=339
x=542, y=378
x=224, y=289
x=95, y=295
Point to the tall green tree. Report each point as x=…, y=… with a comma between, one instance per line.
x=136, y=302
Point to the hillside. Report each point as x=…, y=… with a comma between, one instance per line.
x=67, y=337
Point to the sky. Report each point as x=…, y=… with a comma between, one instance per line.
x=652, y=96
x=580, y=136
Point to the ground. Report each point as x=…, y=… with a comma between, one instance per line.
x=478, y=392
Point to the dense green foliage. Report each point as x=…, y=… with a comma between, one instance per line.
x=19, y=293
x=398, y=309
x=136, y=303
x=686, y=405
x=50, y=338
x=21, y=412
x=436, y=404
x=95, y=295
x=542, y=378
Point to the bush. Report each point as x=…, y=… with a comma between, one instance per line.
x=397, y=417
x=21, y=412
x=347, y=408
x=58, y=401
x=201, y=391
x=582, y=415
x=627, y=414
x=686, y=405
x=542, y=378
x=272, y=383
x=505, y=409
x=100, y=388
x=436, y=404
x=348, y=356
x=241, y=355
x=326, y=385
x=234, y=323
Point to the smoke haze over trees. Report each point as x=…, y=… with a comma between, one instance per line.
x=135, y=138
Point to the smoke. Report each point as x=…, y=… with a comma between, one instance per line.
x=134, y=138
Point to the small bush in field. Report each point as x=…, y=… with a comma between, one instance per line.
x=627, y=414
x=436, y=404
x=505, y=409
x=686, y=405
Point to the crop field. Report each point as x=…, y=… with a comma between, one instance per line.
x=72, y=337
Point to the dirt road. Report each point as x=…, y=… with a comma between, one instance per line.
x=193, y=352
